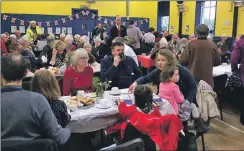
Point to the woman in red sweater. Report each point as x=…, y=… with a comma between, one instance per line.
x=79, y=75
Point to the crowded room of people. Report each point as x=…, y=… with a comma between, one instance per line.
x=128, y=75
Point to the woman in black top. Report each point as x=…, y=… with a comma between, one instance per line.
x=45, y=83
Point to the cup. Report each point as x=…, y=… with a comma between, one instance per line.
x=81, y=93
x=115, y=90
x=102, y=102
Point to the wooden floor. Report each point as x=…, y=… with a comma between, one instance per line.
x=225, y=135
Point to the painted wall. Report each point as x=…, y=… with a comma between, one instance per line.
x=188, y=17
x=240, y=24
x=105, y=8
x=224, y=18
x=173, y=17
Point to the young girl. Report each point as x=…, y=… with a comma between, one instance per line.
x=168, y=88
x=146, y=118
x=46, y=84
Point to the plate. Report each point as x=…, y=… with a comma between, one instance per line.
x=103, y=107
x=87, y=106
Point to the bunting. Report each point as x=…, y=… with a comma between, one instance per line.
x=48, y=23
x=22, y=22
x=56, y=22
x=13, y=20
x=64, y=21
x=70, y=18
x=39, y=24
x=5, y=17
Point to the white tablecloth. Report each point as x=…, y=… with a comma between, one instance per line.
x=92, y=119
x=222, y=69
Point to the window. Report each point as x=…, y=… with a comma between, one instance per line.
x=164, y=23
x=208, y=11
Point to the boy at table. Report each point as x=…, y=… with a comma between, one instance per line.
x=118, y=68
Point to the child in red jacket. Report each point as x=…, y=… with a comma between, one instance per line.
x=146, y=118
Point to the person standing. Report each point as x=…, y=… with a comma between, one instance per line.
x=136, y=33
x=118, y=30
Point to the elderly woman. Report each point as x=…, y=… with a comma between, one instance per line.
x=12, y=38
x=237, y=57
x=225, y=46
x=69, y=43
x=166, y=58
x=79, y=75
x=62, y=37
x=182, y=47
x=92, y=60
x=101, y=50
x=32, y=31
x=58, y=53
x=200, y=56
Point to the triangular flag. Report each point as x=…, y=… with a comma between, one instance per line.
x=5, y=17
x=48, y=23
x=39, y=24
x=99, y=18
x=64, y=21
x=141, y=21
x=70, y=18
x=93, y=16
x=13, y=20
x=77, y=16
x=22, y=22
x=56, y=22
x=146, y=20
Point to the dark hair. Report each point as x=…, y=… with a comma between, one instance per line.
x=143, y=98
x=151, y=29
x=91, y=58
x=202, y=31
x=156, y=34
x=131, y=22
x=117, y=44
x=14, y=67
x=167, y=73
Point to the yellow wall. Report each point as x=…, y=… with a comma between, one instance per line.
x=240, y=24
x=173, y=17
x=224, y=18
x=188, y=17
x=105, y=8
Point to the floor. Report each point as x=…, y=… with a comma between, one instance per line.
x=225, y=135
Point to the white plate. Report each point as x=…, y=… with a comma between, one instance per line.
x=103, y=107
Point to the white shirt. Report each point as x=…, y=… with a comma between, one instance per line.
x=130, y=52
x=149, y=38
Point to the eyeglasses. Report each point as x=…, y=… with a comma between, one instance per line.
x=84, y=58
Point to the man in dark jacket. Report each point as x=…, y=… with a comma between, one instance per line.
x=118, y=68
x=98, y=31
x=117, y=30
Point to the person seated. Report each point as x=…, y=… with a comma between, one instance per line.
x=79, y=75
x=56, y=56
x=118, y=68
x=146, y=118
x=101, y=50
x=4, y=39
x=92, y=60
x=67, y=63
x=70, y=46
x=45, y=83
x=128, y=50
x=25, y=115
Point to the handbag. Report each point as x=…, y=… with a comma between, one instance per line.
x=234, y=82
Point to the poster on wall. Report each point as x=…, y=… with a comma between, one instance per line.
x=64, y=30
x=43, y=30
x=69, y=30
x=22, y=29
x=58, y=30
x=13, y=29
x=50, y=30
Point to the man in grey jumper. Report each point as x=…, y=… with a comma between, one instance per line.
x=25, y=115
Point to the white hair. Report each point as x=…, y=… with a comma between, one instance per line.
x=50, y=38
x=85, y=38
x=62, y=35
x=86, y=44
x=79, y=53
x=76, y=36
x=24, y=39
x=224, y=35
x=3, y=35
x=97, y=39
x=69, y=35
x=163, y=43
x=13, y=36
x=68, y=39
x=33, y=22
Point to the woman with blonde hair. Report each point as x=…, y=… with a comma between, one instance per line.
x=58, y=53
x=45, y=83
x=79, y=75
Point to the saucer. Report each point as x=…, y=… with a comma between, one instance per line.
x=115, y=93
x=103, y=107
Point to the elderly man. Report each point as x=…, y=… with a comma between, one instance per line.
x=18, y=34
x=118, y=68
x=118, y=30
x=33, y=30
x=32, y=117
x=136, y=33
x=98, y=31
x=200, y=56
x=101, y=50
x=191, y=37
x=127, y=49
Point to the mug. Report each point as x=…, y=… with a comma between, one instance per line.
x=115, y=90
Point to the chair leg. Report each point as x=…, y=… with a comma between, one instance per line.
x=203, y=142
x=220, y=108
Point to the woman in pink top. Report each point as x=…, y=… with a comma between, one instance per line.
x=168, y=90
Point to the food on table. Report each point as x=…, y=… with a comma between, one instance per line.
x=80, y=101
x=54, y=70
